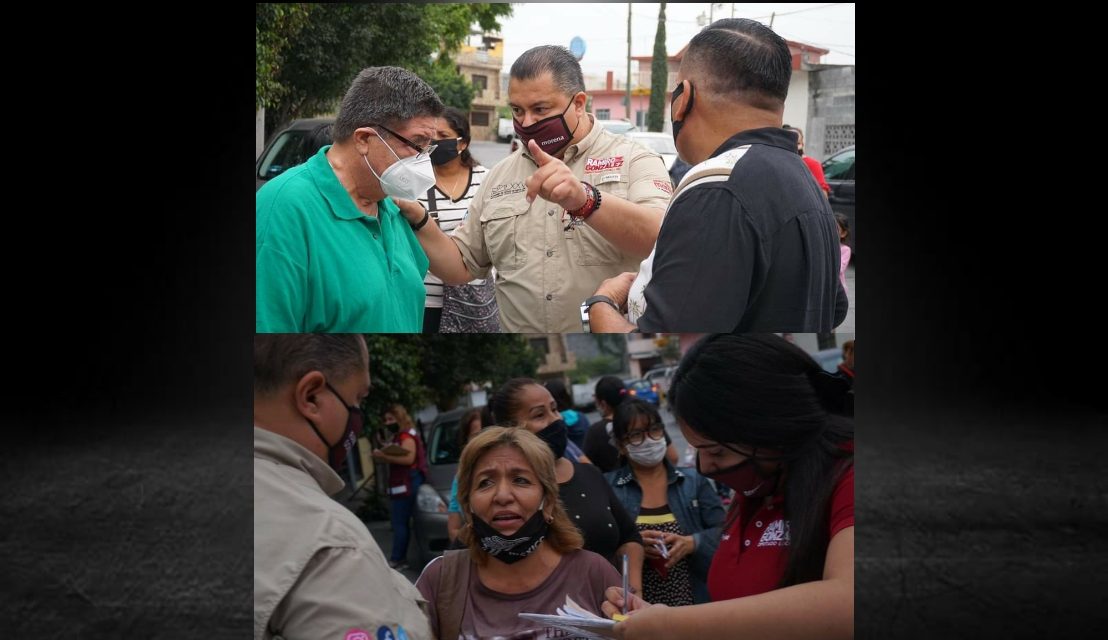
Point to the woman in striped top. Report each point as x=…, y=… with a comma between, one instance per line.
x=467, y=308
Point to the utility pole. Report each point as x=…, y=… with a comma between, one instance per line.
x=629, y=61
x=771, y=17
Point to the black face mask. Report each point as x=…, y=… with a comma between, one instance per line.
x=800, y=151
x=555, y=436
x=446, y=151
x=677, y=124
x=336, y=453
x=517, y=546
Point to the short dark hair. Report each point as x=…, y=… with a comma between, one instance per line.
x=549, y=58
x=844, y=224
x=459, y=121
x=610, y=389
x=628, y=413
x=505, y=401
x=282, y=358
x=384, y=96
x=557, y=388
x=741, y=59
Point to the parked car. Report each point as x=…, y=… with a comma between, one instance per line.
x=660, y=143
x=505, y=129
x=429, y=520
x=661, y=377
x=584, y=398
x=291, y=146
x=838, y=169
x=643, y=390
x=617, y=126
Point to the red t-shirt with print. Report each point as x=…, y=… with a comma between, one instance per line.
x=751, y=559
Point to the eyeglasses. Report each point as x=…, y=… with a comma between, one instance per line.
x=656, y=431
x=420, y=152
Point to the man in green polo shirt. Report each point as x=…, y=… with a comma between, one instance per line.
x=332, y=252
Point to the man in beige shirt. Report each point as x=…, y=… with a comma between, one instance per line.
x=575, y=206
x=318, y=573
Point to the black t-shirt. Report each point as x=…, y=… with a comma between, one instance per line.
x=598, y=514
x=758, y=251
x=599, y=450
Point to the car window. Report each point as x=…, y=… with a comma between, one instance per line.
x=657, y=145
x=444, y=443
x=839, y=166
x=289, y=150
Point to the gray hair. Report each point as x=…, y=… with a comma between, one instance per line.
x=558, y=61
x=384, y=96
x=282, y=358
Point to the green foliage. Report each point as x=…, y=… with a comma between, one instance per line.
x=592, y=367
x=275, y=25
x=659, y=73
x=669, y=348
x=415, y=369
x=612, y=344
x=453, y=89
x=304, y=72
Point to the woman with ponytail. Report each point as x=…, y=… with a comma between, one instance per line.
x=765, y=420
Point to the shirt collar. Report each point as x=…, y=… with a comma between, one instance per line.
x=342, y=207
x=283, y=451
x=772, y=136
x=672, y=474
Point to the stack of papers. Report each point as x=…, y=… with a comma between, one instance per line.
x=575, y=619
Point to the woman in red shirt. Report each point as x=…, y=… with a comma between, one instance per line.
x=764, y=419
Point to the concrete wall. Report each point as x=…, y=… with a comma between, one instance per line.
x=796, y=103
x=830, y=111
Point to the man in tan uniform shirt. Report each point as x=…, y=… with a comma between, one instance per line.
x=318, y=573
x=518, y=222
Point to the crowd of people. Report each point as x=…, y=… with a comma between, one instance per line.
x=393, y=225
x=531, y=527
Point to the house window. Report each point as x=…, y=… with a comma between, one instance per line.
x=479, y=118
x=480, y=83
x=603, y=114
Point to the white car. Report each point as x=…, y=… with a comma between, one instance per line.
x=617, y=126
x=660, y=143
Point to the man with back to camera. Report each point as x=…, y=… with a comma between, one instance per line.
x=332, y=253
x=749, y=242
x=318, y=573
x=577, y=204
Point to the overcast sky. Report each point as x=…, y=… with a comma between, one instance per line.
x=603, y=26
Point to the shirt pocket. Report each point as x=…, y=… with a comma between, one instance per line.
x=505, y=232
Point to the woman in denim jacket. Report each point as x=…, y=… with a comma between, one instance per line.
x=677, y=511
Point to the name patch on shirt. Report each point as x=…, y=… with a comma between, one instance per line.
x=596, y=165
x=607, y=177
x=775, y=535
x=507, y=189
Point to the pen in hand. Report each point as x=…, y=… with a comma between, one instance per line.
x=626, y=595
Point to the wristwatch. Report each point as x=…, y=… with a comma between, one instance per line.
x=590, y=302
